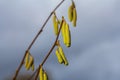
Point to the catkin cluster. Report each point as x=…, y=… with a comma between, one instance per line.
x=65, y=32
x=72, y=14
x=66, y=36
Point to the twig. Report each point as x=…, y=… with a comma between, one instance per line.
x=29, y=47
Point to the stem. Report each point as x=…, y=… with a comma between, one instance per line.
x=29, y=47
x=46, y=57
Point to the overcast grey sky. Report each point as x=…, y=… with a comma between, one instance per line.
x=95, y=50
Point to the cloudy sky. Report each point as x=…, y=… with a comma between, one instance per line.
x=95, y=50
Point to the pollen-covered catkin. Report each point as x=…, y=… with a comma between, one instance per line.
x=45, y=76
x=55, y=24
x=70, y=13
x=30, y=62
x=63, y=32
x=59, y=57
x=41, y=77
x=63, y=55
x=32, y=67
x=74, y=17
x=68, y=36
x=27, y=59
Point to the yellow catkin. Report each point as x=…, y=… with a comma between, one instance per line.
x=27, y=59
x=70, y=13
x=41, y=74
x=55, y=24
x=59, y=21
x=68, y=36
x=59, y=57
x=30, y=62
x=74, y=17
x=45, y=76
x=63, y=55
x=32, y=67
x=63, y=32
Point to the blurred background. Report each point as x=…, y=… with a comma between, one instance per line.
x=95, y=50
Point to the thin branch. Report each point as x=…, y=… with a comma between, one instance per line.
x=46, y=57
x=29, y=47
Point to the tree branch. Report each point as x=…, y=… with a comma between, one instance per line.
x=29, y=47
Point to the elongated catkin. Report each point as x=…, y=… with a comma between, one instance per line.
x=41, y=77
x=27, y=59
x=45, y=76
x=59, y=57
x=74, y=17
x=63, y=32
x=55, y=24
x=70, y=13
x=63, y=55
x=68, y=36
x=32, y=67
x=30, y=62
